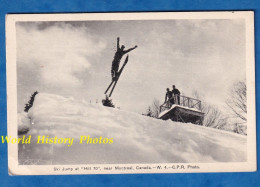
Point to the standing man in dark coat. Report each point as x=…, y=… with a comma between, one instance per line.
x=169, y=96
x=118, y=55
x=176, y=94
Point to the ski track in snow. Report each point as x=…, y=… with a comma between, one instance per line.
x=137, y=138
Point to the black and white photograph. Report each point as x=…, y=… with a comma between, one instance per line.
x=131, y=93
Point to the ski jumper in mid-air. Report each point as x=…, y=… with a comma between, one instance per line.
x=120, y=52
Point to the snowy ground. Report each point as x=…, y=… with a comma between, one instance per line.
x=136, y=138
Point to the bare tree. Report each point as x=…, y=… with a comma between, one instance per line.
x=213, y=117
x=148, y=112
x=155, y=108
x=237, y=101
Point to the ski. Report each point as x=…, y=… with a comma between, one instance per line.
x=109, y=86
x=115, y=81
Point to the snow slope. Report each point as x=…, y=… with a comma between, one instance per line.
x=136, y=138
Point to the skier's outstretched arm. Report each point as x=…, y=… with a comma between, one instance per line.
x=118, y=46
x=127, y=51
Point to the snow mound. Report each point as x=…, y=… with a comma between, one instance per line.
x=136, y=138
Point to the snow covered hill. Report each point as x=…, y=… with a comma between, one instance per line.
x=136, y=138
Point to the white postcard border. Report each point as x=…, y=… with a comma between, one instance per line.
x=16, y=169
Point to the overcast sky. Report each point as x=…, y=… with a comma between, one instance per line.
x=74, y=59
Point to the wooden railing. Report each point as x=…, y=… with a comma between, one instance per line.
x=184, y=101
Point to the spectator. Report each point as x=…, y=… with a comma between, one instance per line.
x=176, y=94
x=169, y=96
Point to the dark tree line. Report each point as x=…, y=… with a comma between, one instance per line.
x=30, y=102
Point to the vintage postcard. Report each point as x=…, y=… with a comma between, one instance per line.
x=109, y=93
